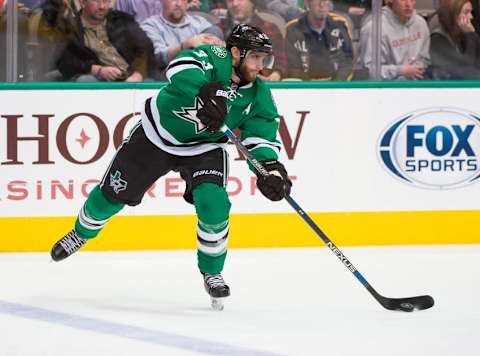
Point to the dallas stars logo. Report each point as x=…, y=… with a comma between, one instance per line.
x=219, y=51
x=117, y=183
x=190, y=114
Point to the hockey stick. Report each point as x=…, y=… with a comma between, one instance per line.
x=402, y=304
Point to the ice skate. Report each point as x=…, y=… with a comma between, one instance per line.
x=216, y=288
x=67, y=245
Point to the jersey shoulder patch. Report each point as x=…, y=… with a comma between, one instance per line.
x=219, y=51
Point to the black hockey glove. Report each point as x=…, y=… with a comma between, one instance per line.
x=276, y=185
x=214, y=109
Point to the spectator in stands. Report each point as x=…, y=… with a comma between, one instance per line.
x=244, y=11
x=58, y=19
x=476, y=15
x=318, y=44
x=105, y=45
x=454, y=43
x=287, y=9
x=140, y=9
x=51, y=24
x=218, y=8
x=174, y=30
x=405, y=42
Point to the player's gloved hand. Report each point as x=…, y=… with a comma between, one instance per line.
x=214, y=110
x=276, y=185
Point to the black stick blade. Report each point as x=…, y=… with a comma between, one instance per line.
x=407, y=304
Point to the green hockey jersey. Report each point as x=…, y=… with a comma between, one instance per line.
x=170, y=120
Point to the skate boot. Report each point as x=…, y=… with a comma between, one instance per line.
x=67, y=245
x=216, y=288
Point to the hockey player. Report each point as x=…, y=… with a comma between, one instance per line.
x=209, y=86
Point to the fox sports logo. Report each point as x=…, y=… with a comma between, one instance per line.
x=435, y=148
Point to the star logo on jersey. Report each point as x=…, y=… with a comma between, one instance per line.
x=117, y=183
x=219, y=51
x=190, y=114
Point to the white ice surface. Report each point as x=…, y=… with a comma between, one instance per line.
x=284, y=302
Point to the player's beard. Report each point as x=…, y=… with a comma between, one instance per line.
x=245, y=75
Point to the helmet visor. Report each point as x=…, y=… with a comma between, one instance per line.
x=265, y=58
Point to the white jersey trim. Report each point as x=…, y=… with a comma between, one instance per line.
x=174, y=69
x=274, y=149
x=171, y=72
x=246, y=86
x=181, y=59
x=260, y=141
x=174, y=150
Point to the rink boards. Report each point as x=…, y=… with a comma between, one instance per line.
x=249, y=230
x=371, y=165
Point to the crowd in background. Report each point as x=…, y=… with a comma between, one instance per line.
x=134, y=40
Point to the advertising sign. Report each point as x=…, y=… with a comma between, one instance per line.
x=346, y=150
x=434, y=148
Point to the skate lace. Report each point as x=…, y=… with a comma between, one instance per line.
x=71, y=242
x=215, y=280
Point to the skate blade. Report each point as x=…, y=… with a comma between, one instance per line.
x=217, y=303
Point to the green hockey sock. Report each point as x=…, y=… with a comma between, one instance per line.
x=210, y=264
x=95, y=213
x=212, y=206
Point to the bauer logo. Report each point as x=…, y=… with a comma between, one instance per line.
x=435, y=148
